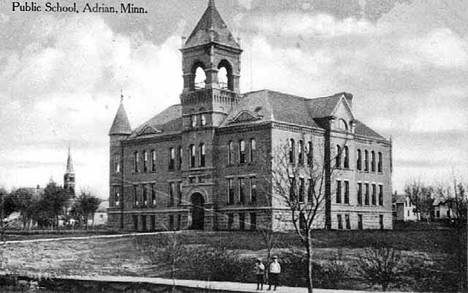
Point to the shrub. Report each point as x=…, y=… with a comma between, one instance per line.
x=379, y=265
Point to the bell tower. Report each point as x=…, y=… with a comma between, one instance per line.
x=69, y=176
x=211, y=71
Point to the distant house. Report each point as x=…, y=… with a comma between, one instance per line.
x=100, y=217
x=442, y=210
x=405, y=210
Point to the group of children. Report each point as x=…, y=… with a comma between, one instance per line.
x=273, y=273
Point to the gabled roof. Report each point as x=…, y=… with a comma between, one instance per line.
x=121, y=125
x=167, y=122
x=211, y=28
x=364, y=130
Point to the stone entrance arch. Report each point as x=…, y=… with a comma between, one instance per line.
x=198, y=211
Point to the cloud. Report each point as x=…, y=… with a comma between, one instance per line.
x=291, y=24
x=247, y=4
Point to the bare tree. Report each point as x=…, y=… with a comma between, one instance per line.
x=307, y=201
x=421, y=197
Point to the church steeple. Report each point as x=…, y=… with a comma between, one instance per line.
x=69, y=176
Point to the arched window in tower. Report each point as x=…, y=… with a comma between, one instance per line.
x=192, y=155
x=225, y=75
x=242, y=151
x=145, y=161
x=136, y=160
x=359, y=160
x=346, y=157
x=342, y=125
x=200, y=78
x=372, y=161
x=202, y=155
x=292, y=151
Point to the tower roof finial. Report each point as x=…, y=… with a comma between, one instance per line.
x=211, y=3
x=121, y=96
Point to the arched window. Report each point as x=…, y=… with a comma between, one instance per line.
x=366, y=160
x=253, y=148
x=342, y=125
x=202, y=119
x=223, y=78
x=346, y=157
x=193, y=120
x=225, y=75
x=116, y=163
x=136, y=160
x=153, y=160
x=301, y=152
x=359, y=160
x=192, y=155
x=145, y=161
x=309, y=154
x=171, y=158
x=230, y=153
x=202, y=155
x=338, y=156
x=292, y=154
x=373, y=161
x=380, y=163
x=200, y=78
x=241, y=151
x=181, y=153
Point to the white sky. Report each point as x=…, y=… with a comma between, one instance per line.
x=405, y=62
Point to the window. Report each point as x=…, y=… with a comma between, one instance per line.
x=143, y=223
x=179, y=221
x=359, y=160
x=223, y=78
x=200, y=77
x=301, y=152
x=193, y=120
x=117, y=163
x=366, y=160
x=181, y=153
x=360, y=226
x=253, y=221
x=242, y=221
x=346, y=192
x=153, y=161
x=359, y=193
x=202, y=155
x=346, y=157
x=202, y=119
x=292, y=154
x=342, y=125
x=379, y=164
x=241, y=151
x=366, y=195
x=309, y=154
x=171, y=193
x=145, y=161
x=374, y=195
x=135, y=222
x=231, y=153
x=292, y=191
x=192, y=155
x=338, y=191
x=253, y=148
x=339, y=220
x=381, y=222
x=145, y=196
x=136, y=159
x=301, y=189
x=373, y=161
x=171, y=222
x=230, y=221
x=153, y=222
x=135, y=195
x=179, y=192
x=117, y=195
x=171, y=158
x=230, y=191
x=348, y=223
x=380, y=195
x=310, y=192
x=241, y=190
x=338, y=156
x=253, y=189
x=153, y=195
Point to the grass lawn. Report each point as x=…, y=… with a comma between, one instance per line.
x=433, y=251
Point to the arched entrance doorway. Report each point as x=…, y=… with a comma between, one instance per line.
x=198, y=213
